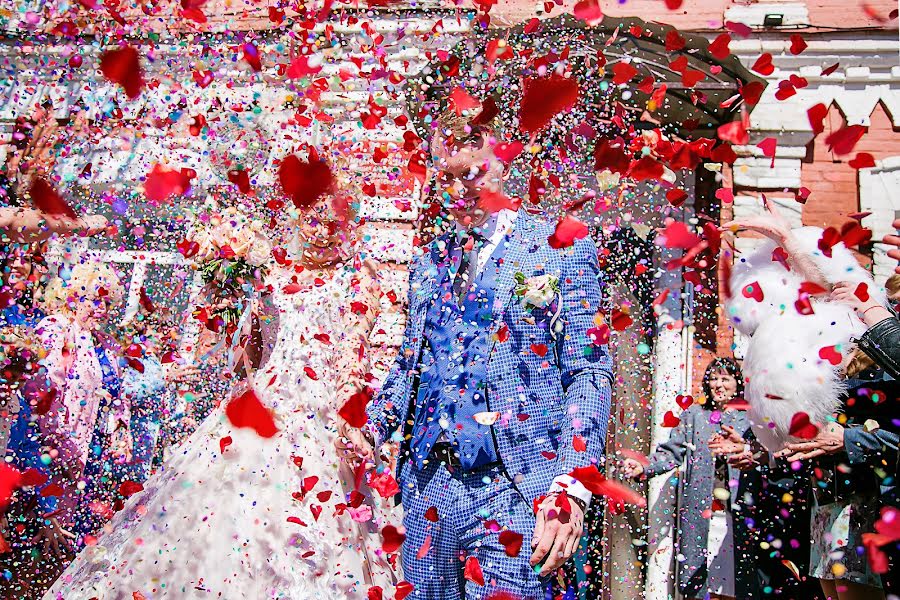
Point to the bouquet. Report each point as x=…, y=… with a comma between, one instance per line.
x=232, y=254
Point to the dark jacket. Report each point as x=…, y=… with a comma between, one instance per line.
x=882, y=343
x=688, y=445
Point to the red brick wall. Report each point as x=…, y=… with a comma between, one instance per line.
x=833, y=183
x=708, y=14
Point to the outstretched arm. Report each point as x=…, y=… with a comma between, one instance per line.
x=586, y=369
x=776, y=227
x=364, y=307
x=388, y=408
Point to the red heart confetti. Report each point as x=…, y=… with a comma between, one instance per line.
x=304, y=182
x=391, y=538
x=670, y=420
x=753, y=291
x=798, y=44
x=684, y=401
x=863, y=160
x=511, y=542
x=831, y=354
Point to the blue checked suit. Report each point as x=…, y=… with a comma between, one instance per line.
x=543, y=401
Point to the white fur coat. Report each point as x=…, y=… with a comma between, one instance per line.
x=789, y=365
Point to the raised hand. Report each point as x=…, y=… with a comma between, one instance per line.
x=894, y=240
x=770, y=223
x=53, y=538
x=631, y=468
x=727, y=442
x=829, y=440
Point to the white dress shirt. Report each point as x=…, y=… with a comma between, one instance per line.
x=494, y=230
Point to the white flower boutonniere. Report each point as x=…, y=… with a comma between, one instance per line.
x=537, y=291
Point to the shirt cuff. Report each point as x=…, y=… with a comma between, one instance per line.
x=573, y=487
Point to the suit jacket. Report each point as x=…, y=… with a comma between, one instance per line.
x=550, y=384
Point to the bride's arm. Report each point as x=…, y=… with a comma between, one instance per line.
x=362, y=309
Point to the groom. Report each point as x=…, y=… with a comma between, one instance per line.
x=497, y=393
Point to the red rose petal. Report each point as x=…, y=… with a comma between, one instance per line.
x=802, y=428
x=567, y=231
x=130, y=488
x=247, y=411
x=10, y=479
x=472, y=571
x=579, y=444
x=543, y=98
x=844, y=139
x=354, y=409
x=589, y=11
x=460, y=100
x=623, y=72
x=163, y=183
x=645, y=167
x=598, y=485
x=123, y=66
x=511, y=542
x=48, y=201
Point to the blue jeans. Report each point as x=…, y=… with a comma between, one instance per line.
x=472, y=509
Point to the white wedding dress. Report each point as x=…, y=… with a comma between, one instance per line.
x=237, y=524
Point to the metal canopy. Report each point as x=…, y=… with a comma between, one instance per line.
x=689, y=112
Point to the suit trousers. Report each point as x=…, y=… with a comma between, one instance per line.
x=455, y=518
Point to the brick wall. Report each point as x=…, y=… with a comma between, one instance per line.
x=833, y=183
x=700, y=15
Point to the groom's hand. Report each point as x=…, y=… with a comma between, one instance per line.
x=560, y=523
x=353, y=445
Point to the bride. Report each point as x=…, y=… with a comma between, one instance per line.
x=236, y=515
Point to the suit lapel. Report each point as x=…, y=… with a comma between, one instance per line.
x=433, y=269
x=516, y=244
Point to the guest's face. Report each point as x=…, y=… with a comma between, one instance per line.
x=324, y=229
x=466, y=171
x=90, y=312
x=723, y=386
x=20, y=269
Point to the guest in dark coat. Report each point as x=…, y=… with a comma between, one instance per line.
x=716, y=542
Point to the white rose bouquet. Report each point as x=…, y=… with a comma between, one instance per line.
x=538, y=291
x=233, y=252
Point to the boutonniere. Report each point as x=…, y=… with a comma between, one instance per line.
x=537, y=291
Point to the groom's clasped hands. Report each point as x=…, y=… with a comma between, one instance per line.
x=557, y=532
